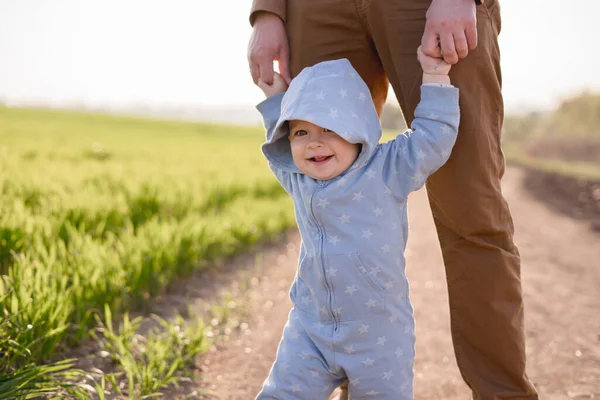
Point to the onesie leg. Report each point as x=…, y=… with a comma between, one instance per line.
x=300, y=371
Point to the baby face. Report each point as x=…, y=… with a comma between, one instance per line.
x=318, y=152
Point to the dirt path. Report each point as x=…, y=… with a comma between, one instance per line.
x=561, y=280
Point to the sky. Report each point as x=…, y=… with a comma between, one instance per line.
x=192, y=53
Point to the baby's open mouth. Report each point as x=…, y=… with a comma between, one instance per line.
x=320, y=159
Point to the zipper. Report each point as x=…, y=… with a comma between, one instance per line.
x=321, y=184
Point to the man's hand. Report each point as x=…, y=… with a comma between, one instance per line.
x=268, y=43
x=451, y=29
x=279, y=85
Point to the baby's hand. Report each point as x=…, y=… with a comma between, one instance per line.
x=279, y=85
x=432, y=66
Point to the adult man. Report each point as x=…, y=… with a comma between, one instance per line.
x=474, y=225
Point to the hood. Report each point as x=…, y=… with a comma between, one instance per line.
x=332, y=95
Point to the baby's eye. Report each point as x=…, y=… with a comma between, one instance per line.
x=300, y=132
x=326, y=130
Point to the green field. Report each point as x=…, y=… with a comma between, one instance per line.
x=100, y=213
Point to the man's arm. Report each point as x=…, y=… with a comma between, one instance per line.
x=269, y=40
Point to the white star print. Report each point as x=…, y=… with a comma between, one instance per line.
x=387, y=375
x=331, y=271
x=399, y=353
x=358, y=196
x=372, y=393
x=387, y=190
x=344, y=219
x=363, y=329
x=432, y=115
x=304, y=355
x=389, y=285
x=363, y=269
x=323, y=203
x=296, y=387
x=371, y=303
x=338, y=311
x=446, y=129
x=333, y=113
x=354, y=381
x=367, y=234
x=375, y=271
x=305, y=300
x=342, y=181
x=314, y=372
x=318, y=325
x=418, y=178
x=393, y=318
x=354, y=115
x=333, y=240
x=343, y=93
x=378, y=211
x=368, y=362
x=323, y=310
x=362, y=96
x=421, y=154
x=385, y=248
x=371, y=174
x=294, y=334
x=381, y=340
x=350, y=289
x=446, y=154
x=321, y=95
x=349, y=349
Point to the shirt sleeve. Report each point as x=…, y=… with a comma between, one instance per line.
x=270, y=110
x=277, y=7
x=414, y=155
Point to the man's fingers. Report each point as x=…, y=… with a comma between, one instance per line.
x=448, y=49
x=284, y=65
x=255, y=72
x=471, y=35
x=266, y=71
x=460, y=44
x=430, y=44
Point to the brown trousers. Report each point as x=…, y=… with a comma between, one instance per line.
x=473, y=222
